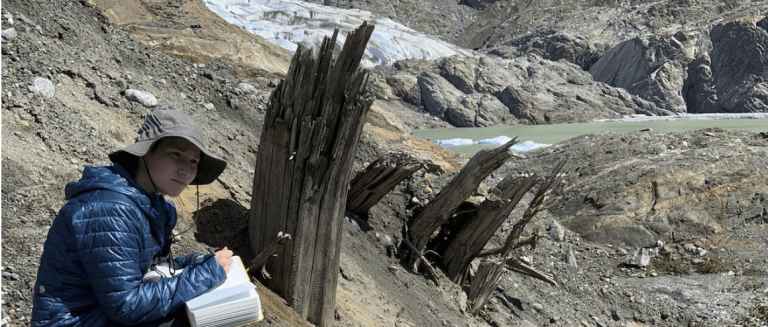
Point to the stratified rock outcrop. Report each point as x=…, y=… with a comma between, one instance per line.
x=637, y=188
x=488, y=90
x=697, y=71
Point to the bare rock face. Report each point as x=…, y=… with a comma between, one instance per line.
x=488, y=90
x=641, y=187
x=653, y=69
x=553, y=46
x=733, y=76
x=722, y=70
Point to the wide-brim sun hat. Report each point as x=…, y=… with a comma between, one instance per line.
x=173, y=123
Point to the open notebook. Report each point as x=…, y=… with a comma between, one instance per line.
x=233, y=303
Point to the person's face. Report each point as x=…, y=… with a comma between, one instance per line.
x=173, y=164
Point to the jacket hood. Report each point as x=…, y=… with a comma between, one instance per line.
x=115, y=178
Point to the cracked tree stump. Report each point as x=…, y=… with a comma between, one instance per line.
x=471, y=239
x=440, y=209
x=303, y=167
x=491, y=269
x=380, y=177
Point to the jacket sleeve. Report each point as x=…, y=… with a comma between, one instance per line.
x=110, y=249
x=189, y=259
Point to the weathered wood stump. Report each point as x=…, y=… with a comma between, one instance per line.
x=466, y=245
x=445, y=203
x=490, y=270
x=380, y=177
x=486, y=280
x=303, y=168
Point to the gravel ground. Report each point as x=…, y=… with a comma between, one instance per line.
x=51, y=130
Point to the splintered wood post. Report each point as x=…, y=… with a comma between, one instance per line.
x=380, y=177
x=486, y=280
x=471, y=239
x=303, y=168
x=490, y=270
x=262, y=258
x=442, y=206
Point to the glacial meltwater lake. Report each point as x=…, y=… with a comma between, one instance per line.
x=550, y=134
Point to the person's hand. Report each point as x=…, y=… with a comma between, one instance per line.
x=224, y=257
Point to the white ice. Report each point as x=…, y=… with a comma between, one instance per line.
x=452, y=142
x=288, y=23
x=499, y=140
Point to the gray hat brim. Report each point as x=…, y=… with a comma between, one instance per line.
x=208, y=169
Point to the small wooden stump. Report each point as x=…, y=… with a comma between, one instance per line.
x=445, y=203
x=489, y=273
x=466, y=245
x=380, y=177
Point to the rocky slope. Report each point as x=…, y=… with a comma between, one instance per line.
x=683, y=56
x=66, y=67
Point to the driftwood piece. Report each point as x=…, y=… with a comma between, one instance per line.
x=492, y=269
x=475, y=234
x=303, y=168
x=262, y=258
x=443, y=205
x=515, y=265
x=525, y=240
x=380, y=177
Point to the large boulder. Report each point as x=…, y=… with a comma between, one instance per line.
x=441, y=99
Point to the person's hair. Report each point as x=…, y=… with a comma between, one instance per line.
x=131, y=162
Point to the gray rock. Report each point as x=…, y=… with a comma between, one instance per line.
x=405, y=86
x=571, y=259
x=44, y=86
x=441, y=99
x=641, y=257
x=487, y=90
x=246, y=88
x=615, y=315
x=121, y=84
x=460, y=73
x=552, y=46
x=556, y=232
x=26, y=20
x=9, y=33
x=145, y=98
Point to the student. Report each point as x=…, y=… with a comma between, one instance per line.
x=116, y=223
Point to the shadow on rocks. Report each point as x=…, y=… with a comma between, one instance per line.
x=224, y=223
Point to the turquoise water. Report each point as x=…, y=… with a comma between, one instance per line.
x=550, y=134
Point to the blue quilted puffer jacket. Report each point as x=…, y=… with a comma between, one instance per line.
x=101, y=244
